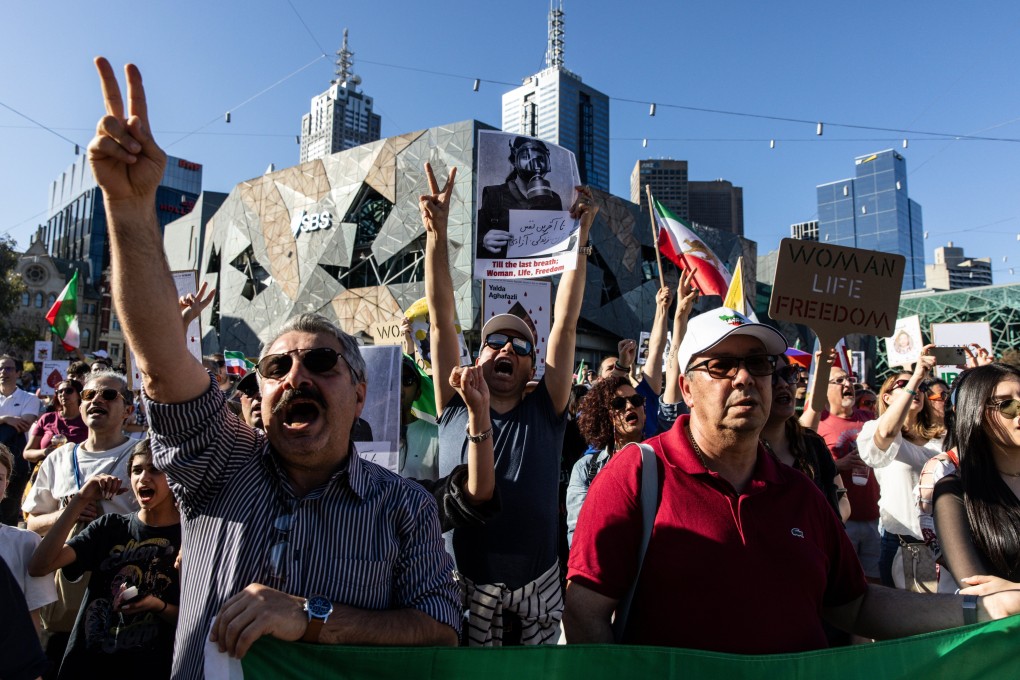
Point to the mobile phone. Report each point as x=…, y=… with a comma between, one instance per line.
x=129, y=594
x=952, y=355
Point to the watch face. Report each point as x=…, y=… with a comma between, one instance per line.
x=319, y=607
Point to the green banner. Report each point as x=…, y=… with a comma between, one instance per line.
x=984, y=651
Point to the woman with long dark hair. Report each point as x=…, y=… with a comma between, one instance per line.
x=897, y=446
x=612, y=415
x=799, y=447
x=977, y=506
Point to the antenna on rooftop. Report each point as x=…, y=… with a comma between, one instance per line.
x=345, y=66
x=554, y=51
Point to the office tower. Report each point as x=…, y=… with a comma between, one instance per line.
x=75, y=227
x=668, y=181
x=717, y=204
x=953, y=270
x=556, y=106
x=805, y=231
x=341, y=117
x=872, y=210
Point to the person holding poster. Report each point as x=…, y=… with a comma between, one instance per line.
x=512, y=561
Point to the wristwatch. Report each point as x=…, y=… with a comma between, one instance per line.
x=318, y=609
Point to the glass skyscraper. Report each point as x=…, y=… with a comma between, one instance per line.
x=556, y=106
x=873, y=211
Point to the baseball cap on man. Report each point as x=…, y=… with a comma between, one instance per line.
x=508, y=322
x=708, y=329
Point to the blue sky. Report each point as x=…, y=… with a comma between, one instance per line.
x=937, y=66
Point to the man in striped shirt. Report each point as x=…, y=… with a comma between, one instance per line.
x=286, y=533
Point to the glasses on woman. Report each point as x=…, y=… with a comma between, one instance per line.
x=937, y=396
x=901, y=384
x=66, y=390
x=758, y=365
x=1009, y=408
x=620, y=403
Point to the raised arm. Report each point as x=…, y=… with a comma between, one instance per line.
x=435, y=215
x=481, y=478
x=821, y=369
x=53, y=553
x=891, y=422
x=687, y=295
x=128, y=165
x=559, y=360
x=657, y=341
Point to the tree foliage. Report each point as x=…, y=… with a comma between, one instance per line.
x=11, y=288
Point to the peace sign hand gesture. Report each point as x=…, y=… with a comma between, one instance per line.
x=435, y=206
x=126, y=161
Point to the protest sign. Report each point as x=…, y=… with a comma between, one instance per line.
x=836, y=291
x=903, y=347
x=387, y=332
x=53, y=372
x=525, y=187
x=529, y=300
x=186, y=282
x=960, y=335
x=421, y=333
x=376, y=434
x=43, y=351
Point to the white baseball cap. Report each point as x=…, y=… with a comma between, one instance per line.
x=708, y=329
x=508, y=322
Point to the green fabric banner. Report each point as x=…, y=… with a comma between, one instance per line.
x=986, y=651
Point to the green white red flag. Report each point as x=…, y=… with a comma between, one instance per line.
x=236, y=364
x=679, y=243
x=63, y=315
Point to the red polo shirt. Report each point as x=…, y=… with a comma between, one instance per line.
x=738, y=573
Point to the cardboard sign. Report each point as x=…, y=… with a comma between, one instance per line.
x=387, y=333
x=53, y=373
x=376, y=434
x=836, y=291
x=43, y=351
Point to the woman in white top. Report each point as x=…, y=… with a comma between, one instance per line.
x=897, y=445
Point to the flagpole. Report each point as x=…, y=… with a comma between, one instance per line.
x=655, y=237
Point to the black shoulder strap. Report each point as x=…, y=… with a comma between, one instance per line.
x=649, y=506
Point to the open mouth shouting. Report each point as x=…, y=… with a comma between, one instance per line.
x=503, y=366
x=299, y=408
x=96, y=410
x=631, y=418
x=145, y=494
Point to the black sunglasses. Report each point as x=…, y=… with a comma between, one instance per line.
x=620, y=403
x=318, y=360
x=1010, y=408
x=107, y=394
x=788, y=374
x=67, y=390
x=758, y=365
x=901, y=384
x=520, y=346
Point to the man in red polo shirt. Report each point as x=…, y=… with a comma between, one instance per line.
x=745, y=552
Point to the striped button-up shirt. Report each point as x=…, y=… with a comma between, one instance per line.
x=367, y=538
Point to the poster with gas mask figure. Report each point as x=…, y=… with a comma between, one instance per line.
x=525, y=188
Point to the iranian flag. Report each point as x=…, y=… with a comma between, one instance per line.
x=63, y=315
x=236, y=364
x=679, y=243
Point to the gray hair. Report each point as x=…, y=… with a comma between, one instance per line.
x=92, y=378
x=316, y=323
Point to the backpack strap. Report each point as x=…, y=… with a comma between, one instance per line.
x=649, y=506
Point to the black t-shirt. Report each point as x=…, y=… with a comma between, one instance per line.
x=119, y=549
x=21, y=656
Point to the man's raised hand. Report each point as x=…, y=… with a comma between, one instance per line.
x=126, y=161
x=435, y=206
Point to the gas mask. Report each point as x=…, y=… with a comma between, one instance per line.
x=531, y=161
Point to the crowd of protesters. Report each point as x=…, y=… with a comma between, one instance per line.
x=581, y=508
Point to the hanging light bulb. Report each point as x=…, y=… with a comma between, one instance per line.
x=227, y=117
x=477, y=83
x=651, y=109
x=78, y=151
x=925, y=235
x=644, y=143
x=904, y=144
x=818, y=130
x=772, y=143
